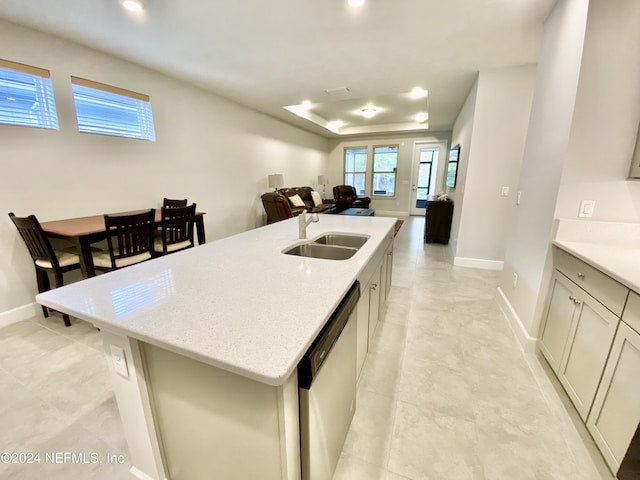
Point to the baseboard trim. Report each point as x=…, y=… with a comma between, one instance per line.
x=478, y=263
x=19, y=313
x=526, y=341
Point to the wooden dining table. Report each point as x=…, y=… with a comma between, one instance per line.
x=83, y=231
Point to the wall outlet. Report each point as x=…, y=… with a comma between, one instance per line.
x=515, y=280
x=586, y=208
x=119, y=361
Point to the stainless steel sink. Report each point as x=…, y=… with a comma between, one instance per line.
x=328, y=252
x=342, y=239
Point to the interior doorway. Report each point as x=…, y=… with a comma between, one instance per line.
x=426, y=157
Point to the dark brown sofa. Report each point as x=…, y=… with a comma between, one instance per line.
x=278, y=207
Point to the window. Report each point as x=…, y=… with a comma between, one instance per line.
x=26, y=96
x=385, y=162
x=108, y=110
x=355, y=168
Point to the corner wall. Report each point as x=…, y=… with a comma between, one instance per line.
x=209, y=150
x=500, y=120
x=528, y=238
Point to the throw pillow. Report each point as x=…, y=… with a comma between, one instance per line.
x=317, y=199
x=296, y=201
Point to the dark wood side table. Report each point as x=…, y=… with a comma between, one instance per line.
x=437, y=225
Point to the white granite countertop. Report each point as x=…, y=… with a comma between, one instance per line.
x=613, y=248
x=237, y=303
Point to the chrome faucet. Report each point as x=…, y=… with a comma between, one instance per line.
x=303, y=222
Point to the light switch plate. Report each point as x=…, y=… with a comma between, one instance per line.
x=504, y=192
x=119, y=361
x=586, y=208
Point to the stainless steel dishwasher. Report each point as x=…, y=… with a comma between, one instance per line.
x=327, y=390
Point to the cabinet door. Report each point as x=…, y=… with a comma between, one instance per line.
x=363, y=329
x=616, y=408
x=558, y=319
x=374, y=302
x=586, y=351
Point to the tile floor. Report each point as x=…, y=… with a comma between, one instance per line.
x=446, y=393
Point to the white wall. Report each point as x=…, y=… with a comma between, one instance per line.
x=528, y=238
x=494, y=155
x=208, y=150
x=462, y=135
x=606, y=117
x=398, y=205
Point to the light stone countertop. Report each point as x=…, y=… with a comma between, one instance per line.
x=613, y=248
x=237, y=303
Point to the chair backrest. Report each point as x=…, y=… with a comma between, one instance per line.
x=341, y=192
x=130, y=237
x=276, y=206
x=177, y=228
x=34, y=237
x=173, y=203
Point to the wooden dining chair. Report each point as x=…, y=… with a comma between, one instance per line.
x=176, y=232
x=45, y=258
x=130, y=240
x=171, y=203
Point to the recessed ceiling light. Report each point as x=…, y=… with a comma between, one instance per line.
x=368, y=112
x=133, y=5
x=422, y=117
x=356, y=3
x=335, y=125
x=418, y=92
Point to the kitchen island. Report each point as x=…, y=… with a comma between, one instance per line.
x=203, y=345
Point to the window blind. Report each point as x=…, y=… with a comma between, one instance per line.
x=107, y=110
x=26, y=96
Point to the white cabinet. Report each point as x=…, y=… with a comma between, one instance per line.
x=374, y=301
x=576, y=339
x=616, y=409
x=375, y=283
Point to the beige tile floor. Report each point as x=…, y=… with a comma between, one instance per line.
x=446, y=392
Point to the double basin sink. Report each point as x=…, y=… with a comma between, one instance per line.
x=330, y=246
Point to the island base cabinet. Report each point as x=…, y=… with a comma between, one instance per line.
x=616, y=408
x=214, y=424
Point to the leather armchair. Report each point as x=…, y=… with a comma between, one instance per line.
x=345, y=197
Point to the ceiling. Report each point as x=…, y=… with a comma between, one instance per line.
x=274, y=54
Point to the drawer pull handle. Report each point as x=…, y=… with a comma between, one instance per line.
x=580, y=275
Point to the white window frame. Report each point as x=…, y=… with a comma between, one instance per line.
x=33, y=86
x=375, y=172
x=356, y=172
x=107, y=110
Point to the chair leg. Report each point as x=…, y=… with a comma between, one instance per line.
x=59, y=282
x=42, y=278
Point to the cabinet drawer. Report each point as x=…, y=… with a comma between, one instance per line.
x=631, y=314
x=605, y=289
